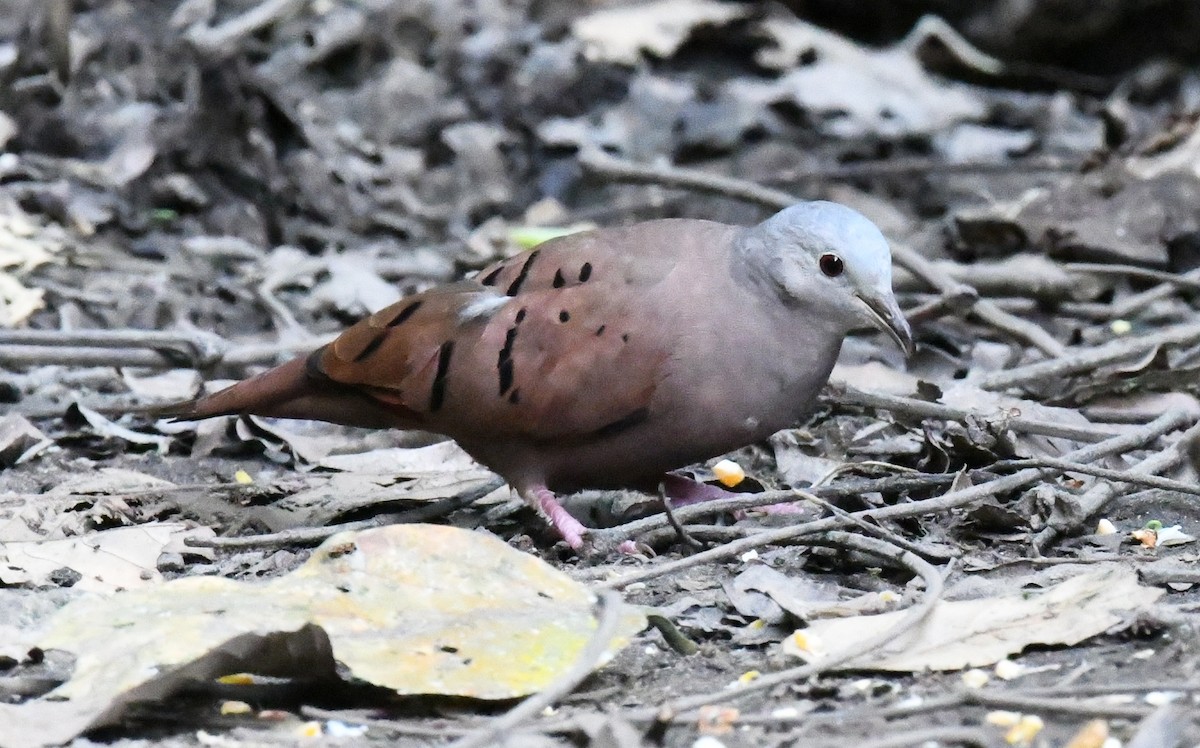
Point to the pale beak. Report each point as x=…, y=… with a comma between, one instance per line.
x=886, y=314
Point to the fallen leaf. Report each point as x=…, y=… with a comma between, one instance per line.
x=850, y=91
x=106, y=561
x=976, y=633
x=621, y=34
x=420, y=609
x=19, y=440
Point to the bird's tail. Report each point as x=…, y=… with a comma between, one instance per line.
x=291, y=390
x=259, y=395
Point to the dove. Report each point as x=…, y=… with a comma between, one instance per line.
x=608, y=358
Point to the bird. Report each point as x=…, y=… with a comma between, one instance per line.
x=608, y=358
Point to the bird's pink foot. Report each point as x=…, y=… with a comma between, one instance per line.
x=684, y=491
x=570, y=529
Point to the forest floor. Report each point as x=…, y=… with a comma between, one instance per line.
x=992, y=543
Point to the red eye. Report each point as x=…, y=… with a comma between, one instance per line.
x=831, y=265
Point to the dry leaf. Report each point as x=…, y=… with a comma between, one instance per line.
x=976, y=633
x=620, y=34
x=421, y=609
x=109, y=560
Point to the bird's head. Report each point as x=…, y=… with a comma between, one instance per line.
x=827, y=253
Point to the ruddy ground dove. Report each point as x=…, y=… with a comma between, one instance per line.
x=605, y=359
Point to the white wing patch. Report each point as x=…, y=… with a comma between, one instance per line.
x=483, y=306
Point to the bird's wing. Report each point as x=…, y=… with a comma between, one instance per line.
x=565, y=341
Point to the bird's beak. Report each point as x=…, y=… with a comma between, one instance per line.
x=886, y=314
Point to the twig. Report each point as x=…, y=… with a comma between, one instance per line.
x=176, y=348
x=315, y=535
x=221, y=40
x=1121, y=476
x=1053, y=706
x=1137, y=302
x=930, y=735
x=877, y=531
x=985, y=309
x=151, y=349
x=1133, y=271
x=669, y=513
x=598, y=162
x=843, y=393
x=1077, y=360
x=952, y=500
x=1095, y=498
x=610, y=604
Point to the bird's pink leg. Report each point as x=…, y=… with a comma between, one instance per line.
x=571, y=530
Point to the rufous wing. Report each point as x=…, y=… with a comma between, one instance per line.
x=556, y=343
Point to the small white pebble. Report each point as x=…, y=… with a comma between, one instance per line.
x=785, y=712
x=1002, y=718
x=338, y=729
x=1007, y=670
x=635, y=586
x=1121, y=327
x=1105, y=527
x=975, y=678
x=1161, y=698
x=707, y=741
x=748, y=556
x=235, y=707
x=1143, y=654
x=862, y=685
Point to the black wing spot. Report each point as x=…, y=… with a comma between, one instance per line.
x=516, y=284
x=405, y=313
x=312, y=365
x=623, y=423
x=372, y=346
x=600, y=330
x=564, y=316
x=437, y=393
x=625, y=337
x=490, y=278
x=520, y=316
x=514, y=397
x=559, y=280
x=506, y=375
x=585, y=272
x=504, y=363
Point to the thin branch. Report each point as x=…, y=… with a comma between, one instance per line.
x=1133, y=476
x=843, y=393
x=1097, y=497
x=952, y=500
x=1082, y=359
x=313, y=535
x=929, y=735
x=1134, y=271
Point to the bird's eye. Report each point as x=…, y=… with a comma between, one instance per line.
x=831, y=265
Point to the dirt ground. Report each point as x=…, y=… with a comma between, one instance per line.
x=191, y=191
